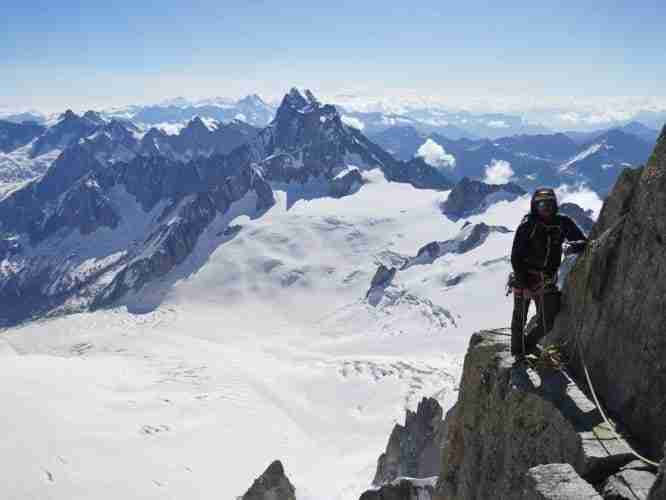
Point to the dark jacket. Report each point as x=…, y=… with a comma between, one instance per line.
x=537, y=245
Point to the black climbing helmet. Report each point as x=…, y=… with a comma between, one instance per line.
x=543, y=195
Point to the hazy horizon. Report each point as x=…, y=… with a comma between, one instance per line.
x=79, y=55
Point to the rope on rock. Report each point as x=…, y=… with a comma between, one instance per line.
x=591, y=387
x=601, y=411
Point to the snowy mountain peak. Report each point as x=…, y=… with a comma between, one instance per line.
x=252, y=100
x=297, y=101
x=68, y=115
x=94, y=117
x=196, y=123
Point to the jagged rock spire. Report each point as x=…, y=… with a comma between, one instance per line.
x=68, y=115
x=273, y=484
x=297, y=101
x=413, y=450
x=94, y=117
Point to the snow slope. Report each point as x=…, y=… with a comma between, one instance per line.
x=261, y=346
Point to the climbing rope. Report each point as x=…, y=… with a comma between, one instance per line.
x=601, y=411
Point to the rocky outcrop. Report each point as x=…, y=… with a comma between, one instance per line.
x=403, y=489
x=614, y=304
x=469, y=238
x=632, y=481
x=380, y=282
x=468, y=197
x=658, y=491
x=511, y=418
x=583, y=218
x=273, y=484
x=618, y=203
x=414, y=450
x=557, y=482
x=346, y=183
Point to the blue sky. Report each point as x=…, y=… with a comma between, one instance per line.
x=67, y=53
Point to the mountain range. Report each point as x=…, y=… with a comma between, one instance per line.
x=153, y=195
x=528, y=160
x=294, y=284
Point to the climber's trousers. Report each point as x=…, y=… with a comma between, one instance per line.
x=547, y=305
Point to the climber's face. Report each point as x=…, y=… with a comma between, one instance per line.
x=545, y=208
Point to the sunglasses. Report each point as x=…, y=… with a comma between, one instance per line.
x=545, y=204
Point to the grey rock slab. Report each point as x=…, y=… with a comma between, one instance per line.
x=557, y=482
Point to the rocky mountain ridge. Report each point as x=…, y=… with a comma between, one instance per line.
x=155, y=206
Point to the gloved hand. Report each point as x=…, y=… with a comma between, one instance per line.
x=575, y=247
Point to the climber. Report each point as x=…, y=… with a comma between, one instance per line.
x=536, y=257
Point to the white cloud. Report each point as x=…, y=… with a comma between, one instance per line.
x=241, y=117
x=594, y=117
x=435, y=155
x=581, y=195
x=352, y=122
x=569, y=117
x=497, y=124
x=498, y=172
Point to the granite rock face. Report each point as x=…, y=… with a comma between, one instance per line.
x=273, y=484
x=403, y=489
x=614, y=304
x=557, y=482
x=414, y=449
x=469, y=196
x=658, y=490
x=632, y=481
x=510, y=418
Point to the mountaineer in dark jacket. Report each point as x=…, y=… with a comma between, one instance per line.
x=536, y=257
